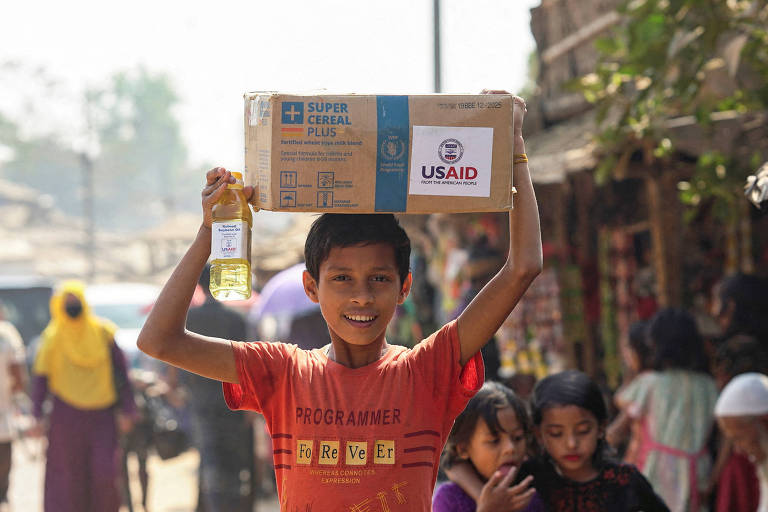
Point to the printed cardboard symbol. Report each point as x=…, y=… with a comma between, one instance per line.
x=324, y=199
x=288, y=179
x=287, y=198
x=325, y=179
x=292, y=112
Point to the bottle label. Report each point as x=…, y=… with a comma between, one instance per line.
x=228, y=240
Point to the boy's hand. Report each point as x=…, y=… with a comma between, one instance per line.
x=497, y=495
x=216, y=181
x=518, y=114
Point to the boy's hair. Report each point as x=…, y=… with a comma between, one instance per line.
x=572, y=387
x=345, y=230
x=491, y=398
x=676, y=341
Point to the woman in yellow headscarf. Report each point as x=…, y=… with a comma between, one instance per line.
x=81, y=367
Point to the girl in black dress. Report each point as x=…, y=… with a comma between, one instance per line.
x=572, y=472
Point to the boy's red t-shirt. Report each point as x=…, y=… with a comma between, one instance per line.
x=358, y=440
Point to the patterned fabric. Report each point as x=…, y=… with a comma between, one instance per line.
x=617, y=488
x=677, y=407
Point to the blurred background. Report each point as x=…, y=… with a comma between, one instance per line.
x=646, y=120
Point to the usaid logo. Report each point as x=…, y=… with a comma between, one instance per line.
x=450, y=151
x=228, y=245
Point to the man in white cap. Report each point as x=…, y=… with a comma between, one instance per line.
x=742, y=413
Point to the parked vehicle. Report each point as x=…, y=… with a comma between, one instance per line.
x=127, y=305
x=26, y=303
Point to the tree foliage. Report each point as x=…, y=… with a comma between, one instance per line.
x=672, y=58
x=130, y=134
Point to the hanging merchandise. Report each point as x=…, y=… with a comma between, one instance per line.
x=616, y=260
x=531, y=340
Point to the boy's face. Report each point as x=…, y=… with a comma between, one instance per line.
x=358, y=290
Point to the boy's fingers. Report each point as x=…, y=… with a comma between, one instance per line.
x=213, y=175
x=521, y=102
x=250, y=196
x=214, y=195
x=218, y=183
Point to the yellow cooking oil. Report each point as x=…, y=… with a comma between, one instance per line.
x=231, y=244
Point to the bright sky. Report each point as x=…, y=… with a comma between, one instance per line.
x=216, y=51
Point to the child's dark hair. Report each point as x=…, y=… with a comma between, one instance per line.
x=741, y=354
x=345, y=230
x=638, y=342
x=486, y=404
x=676, y=341
x=572, y=387
x=746, y=294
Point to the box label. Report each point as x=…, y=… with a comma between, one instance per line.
x=228, y=240
x=392, y=155
x=451, y=161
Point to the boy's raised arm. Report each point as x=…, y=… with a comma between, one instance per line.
x=485, y=314
x=164, y=336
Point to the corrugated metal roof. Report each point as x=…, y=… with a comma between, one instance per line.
x=565, y=148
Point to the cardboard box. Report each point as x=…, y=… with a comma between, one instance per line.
x=366, y=154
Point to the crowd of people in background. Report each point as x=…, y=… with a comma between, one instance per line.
x=695, y=452
x=686, y=431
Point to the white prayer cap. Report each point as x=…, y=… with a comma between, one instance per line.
x=745, y=395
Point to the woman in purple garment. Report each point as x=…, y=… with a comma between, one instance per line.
x=491, y=436
x=84, y=371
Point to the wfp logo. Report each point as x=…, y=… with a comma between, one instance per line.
x=392, y=148
x=450, y=151
x=292, y=112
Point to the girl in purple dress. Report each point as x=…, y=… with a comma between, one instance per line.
x=491, y=437
x=573, y=471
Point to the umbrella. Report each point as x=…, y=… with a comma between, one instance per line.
x=284, y=295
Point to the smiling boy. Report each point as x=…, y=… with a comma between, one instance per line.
x=359, y=424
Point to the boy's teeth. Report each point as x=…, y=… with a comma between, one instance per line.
x=360, y=318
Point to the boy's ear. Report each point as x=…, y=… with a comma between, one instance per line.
x=310, y=286
x=405, y=289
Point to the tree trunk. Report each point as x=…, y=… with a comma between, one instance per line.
x=666, y=233
x=745, y=234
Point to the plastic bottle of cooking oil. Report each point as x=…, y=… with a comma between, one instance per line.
x=231, y=244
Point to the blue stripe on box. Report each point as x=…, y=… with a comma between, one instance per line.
x=392, y=155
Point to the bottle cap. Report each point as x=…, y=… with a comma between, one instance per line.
x=238, y=180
